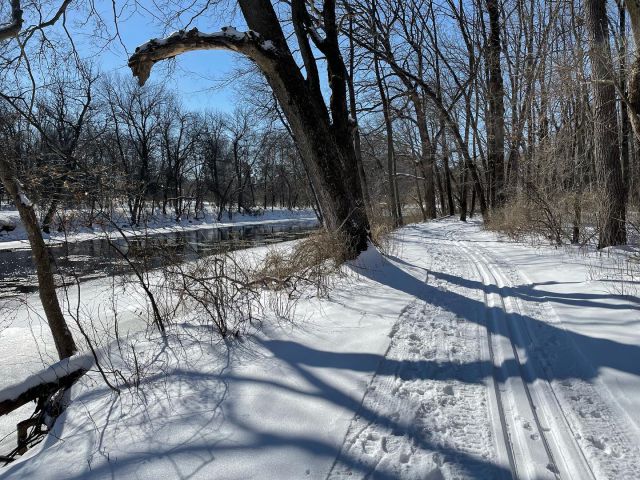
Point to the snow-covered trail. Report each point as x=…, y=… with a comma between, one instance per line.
x=426, y=412
x=456, y=356
x=571, y=374
x=498, y=387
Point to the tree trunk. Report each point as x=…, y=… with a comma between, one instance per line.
x=463, y=195
x=495, y=120
x=440, y=189
x=447, y=173
x=426, y=158
x=624, y=114
x=62, y=337
x=354, y=115
x=47, y=221
x=633, y=7
x=326, y=147
x=605, y=118
x=472, y=210
x=393, y=199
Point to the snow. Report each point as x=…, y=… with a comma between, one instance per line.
x=454, y=355
x=7, y=223
x=229, y=32
x=25, y=200
x=268, y=45
x=50, y=375
x=233, y=33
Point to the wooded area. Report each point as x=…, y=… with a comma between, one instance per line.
x=425, y=106
x=374, y=113
x=523, y=110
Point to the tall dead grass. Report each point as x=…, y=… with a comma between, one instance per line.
x=309, y=263
x=537, y=216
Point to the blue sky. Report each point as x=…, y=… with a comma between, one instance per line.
x=198, y=77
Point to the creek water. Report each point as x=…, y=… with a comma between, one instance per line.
x=99, y=257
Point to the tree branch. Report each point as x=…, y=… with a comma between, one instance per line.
x=46, y=382
x=248, y=43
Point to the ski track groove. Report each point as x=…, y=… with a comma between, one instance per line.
x=599, y=428
x=429, y=422
x=491, y=277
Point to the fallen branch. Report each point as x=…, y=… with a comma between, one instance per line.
x=45, y=383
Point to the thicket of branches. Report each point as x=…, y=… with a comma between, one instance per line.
x=496, y=104
x=96, y=143
x=460, y=105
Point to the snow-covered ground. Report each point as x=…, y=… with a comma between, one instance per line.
x=156, y=224
x=457, y=355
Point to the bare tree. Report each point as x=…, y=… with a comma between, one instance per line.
x=606, y=146
x=324, y=133
x=62, y=336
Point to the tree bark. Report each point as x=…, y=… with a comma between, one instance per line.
x=391, y=160
x=354, y=115
x=605, y=118
x=624, y=113
x=447, y=173
x=633, y=7
x=495, y=120
x=62, y=337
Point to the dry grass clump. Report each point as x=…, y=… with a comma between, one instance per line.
x=413, y=216
x=535, y=215
x=311, y=262
x=515, y=220
x=381, y=228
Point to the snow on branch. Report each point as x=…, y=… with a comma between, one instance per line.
x=14, y=26
x=146, y=55
x=25, y=200
x=59, y=375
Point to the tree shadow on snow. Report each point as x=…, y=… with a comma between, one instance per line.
x=207, y=443
x=602, y=352
x=303, y=359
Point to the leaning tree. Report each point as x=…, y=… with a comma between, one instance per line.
x=323, y=132
x=9, y=32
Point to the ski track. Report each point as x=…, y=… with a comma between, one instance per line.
x=427, y=415
x=599, y=427
x=530, y=414
x=432, y=415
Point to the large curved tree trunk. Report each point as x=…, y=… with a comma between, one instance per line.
x=324, y=135
x=331, y=165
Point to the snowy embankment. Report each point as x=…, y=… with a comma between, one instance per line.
x=458, y=356
x=158, y=224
